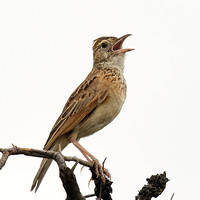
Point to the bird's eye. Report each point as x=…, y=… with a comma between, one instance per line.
x=104, y=45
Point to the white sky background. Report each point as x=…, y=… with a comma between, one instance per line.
x=46, y=52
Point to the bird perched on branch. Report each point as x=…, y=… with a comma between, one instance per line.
x=93, y=105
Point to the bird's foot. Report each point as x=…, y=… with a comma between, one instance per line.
x=107, y=173
x=101, y=171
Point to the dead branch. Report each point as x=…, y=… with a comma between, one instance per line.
x=70, y=184
x=172, y=196
x=154, y=188
x=67, y=176
x=6, y=152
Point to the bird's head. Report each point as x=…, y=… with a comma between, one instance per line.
x=109, y=51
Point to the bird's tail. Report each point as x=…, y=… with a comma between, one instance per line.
x=44, y=166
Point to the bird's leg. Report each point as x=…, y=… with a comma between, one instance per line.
x=89, y=157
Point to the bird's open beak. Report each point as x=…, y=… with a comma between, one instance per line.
x=117, y=47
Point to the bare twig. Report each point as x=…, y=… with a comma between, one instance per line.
x=74, y=166
x=3, y=159
x=37, y=153
x=100, y=190
x=89, y=195
x=172, y=196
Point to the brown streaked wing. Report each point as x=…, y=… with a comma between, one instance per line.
x=82, y=101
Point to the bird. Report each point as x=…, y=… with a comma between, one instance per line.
x=93, y=105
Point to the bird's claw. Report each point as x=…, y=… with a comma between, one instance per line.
x=107, y=173
x=100, y=171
